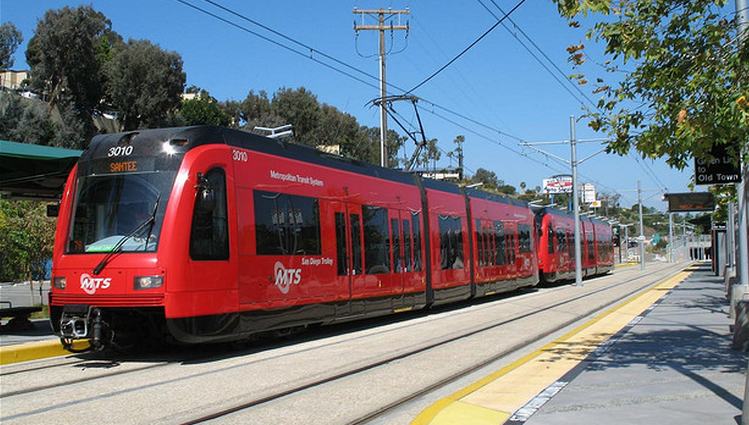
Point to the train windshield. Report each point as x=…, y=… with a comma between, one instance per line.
x=110, y=207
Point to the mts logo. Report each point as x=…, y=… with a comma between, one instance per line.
x=286, y=277
x=91, y=284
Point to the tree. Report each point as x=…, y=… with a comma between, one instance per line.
x=35, y=126
x=62, y=55
x=10, y=38
x=203, y=110
x=300, y=108
x=681, y=91
x=488, y=178
x=145, y=83
x=25, y=120
x=26, y=239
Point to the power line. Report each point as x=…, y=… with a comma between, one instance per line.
x=279, y=44
x=313, y=51
x=311, y=56
x=540, y=62
x=442, y=68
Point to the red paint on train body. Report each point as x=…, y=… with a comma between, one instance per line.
x=211, y=234
x=556, y=249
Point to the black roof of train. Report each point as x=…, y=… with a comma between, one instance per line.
x=195, y=136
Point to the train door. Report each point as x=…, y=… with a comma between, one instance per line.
x=398, y=261
x=212, y=257
x=343, y=250
x=511, y=231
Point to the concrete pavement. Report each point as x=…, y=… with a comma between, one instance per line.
x=673, y=366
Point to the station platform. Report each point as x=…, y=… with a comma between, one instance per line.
x=663, y=356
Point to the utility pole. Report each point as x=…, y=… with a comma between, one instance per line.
x=642, y=234
x=730, y=236
x=575, y=204
x=573, y=162
x=626, y=240
x=460, y=160
x=671, y=237
x=742, y=271
x=382, y=16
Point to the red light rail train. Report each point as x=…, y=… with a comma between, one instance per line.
x=206, y=234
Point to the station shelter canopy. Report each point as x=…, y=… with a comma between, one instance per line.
x=36, y=172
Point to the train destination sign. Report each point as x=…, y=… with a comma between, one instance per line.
x=693, y=201
x=720, y=170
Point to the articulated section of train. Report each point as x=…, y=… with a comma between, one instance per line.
x=206, y=234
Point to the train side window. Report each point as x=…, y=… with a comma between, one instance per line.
x=209, y=234
x=493, y=246
x=407, y=245
x=451, y=242
x=499, y=231
x=397, y=258
x=376, y=237
x=571, y=244
x=551, y=239
x=356, y=243
x=340, y=238
x=416, y=224
x=560, y=240
x=286, y=224
x=479, y=242
x=525, y=237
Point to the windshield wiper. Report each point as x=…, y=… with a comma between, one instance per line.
x=118, y=246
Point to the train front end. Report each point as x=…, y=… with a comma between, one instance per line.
x=108, y=279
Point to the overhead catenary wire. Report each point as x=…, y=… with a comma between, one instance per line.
x=644, y=166
x=310, y=53
x=467, y=48
x=540, y=62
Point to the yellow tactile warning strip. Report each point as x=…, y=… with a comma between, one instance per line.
x=494, y=398
x=628, y=264
x=35, y=350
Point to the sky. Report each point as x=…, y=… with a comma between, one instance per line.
x=497, y=83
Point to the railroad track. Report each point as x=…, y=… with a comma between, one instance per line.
x=338, y=332
x=417, y=350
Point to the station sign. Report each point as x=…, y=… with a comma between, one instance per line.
x=692, y=201
x=719, y=170
x=561, y=183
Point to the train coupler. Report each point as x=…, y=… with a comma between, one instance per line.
x=83, y=322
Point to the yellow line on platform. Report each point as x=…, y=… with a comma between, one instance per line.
x=495, y=397
x=36, y=350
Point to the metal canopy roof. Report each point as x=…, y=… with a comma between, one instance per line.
x=37, y=172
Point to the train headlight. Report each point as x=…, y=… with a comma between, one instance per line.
x=60, y=282
x=148, y=282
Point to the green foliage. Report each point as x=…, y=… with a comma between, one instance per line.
x=145, y=83
x=27, y=120
x=680, y=92
x=488, y=178
x=203, y=110
x=314, y=124
x=26, y=239
x=62, y=55
x=10, y=38
x=301, y=108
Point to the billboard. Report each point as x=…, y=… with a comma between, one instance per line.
x=692, y=201
x=561, y=183
x=589, y=193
